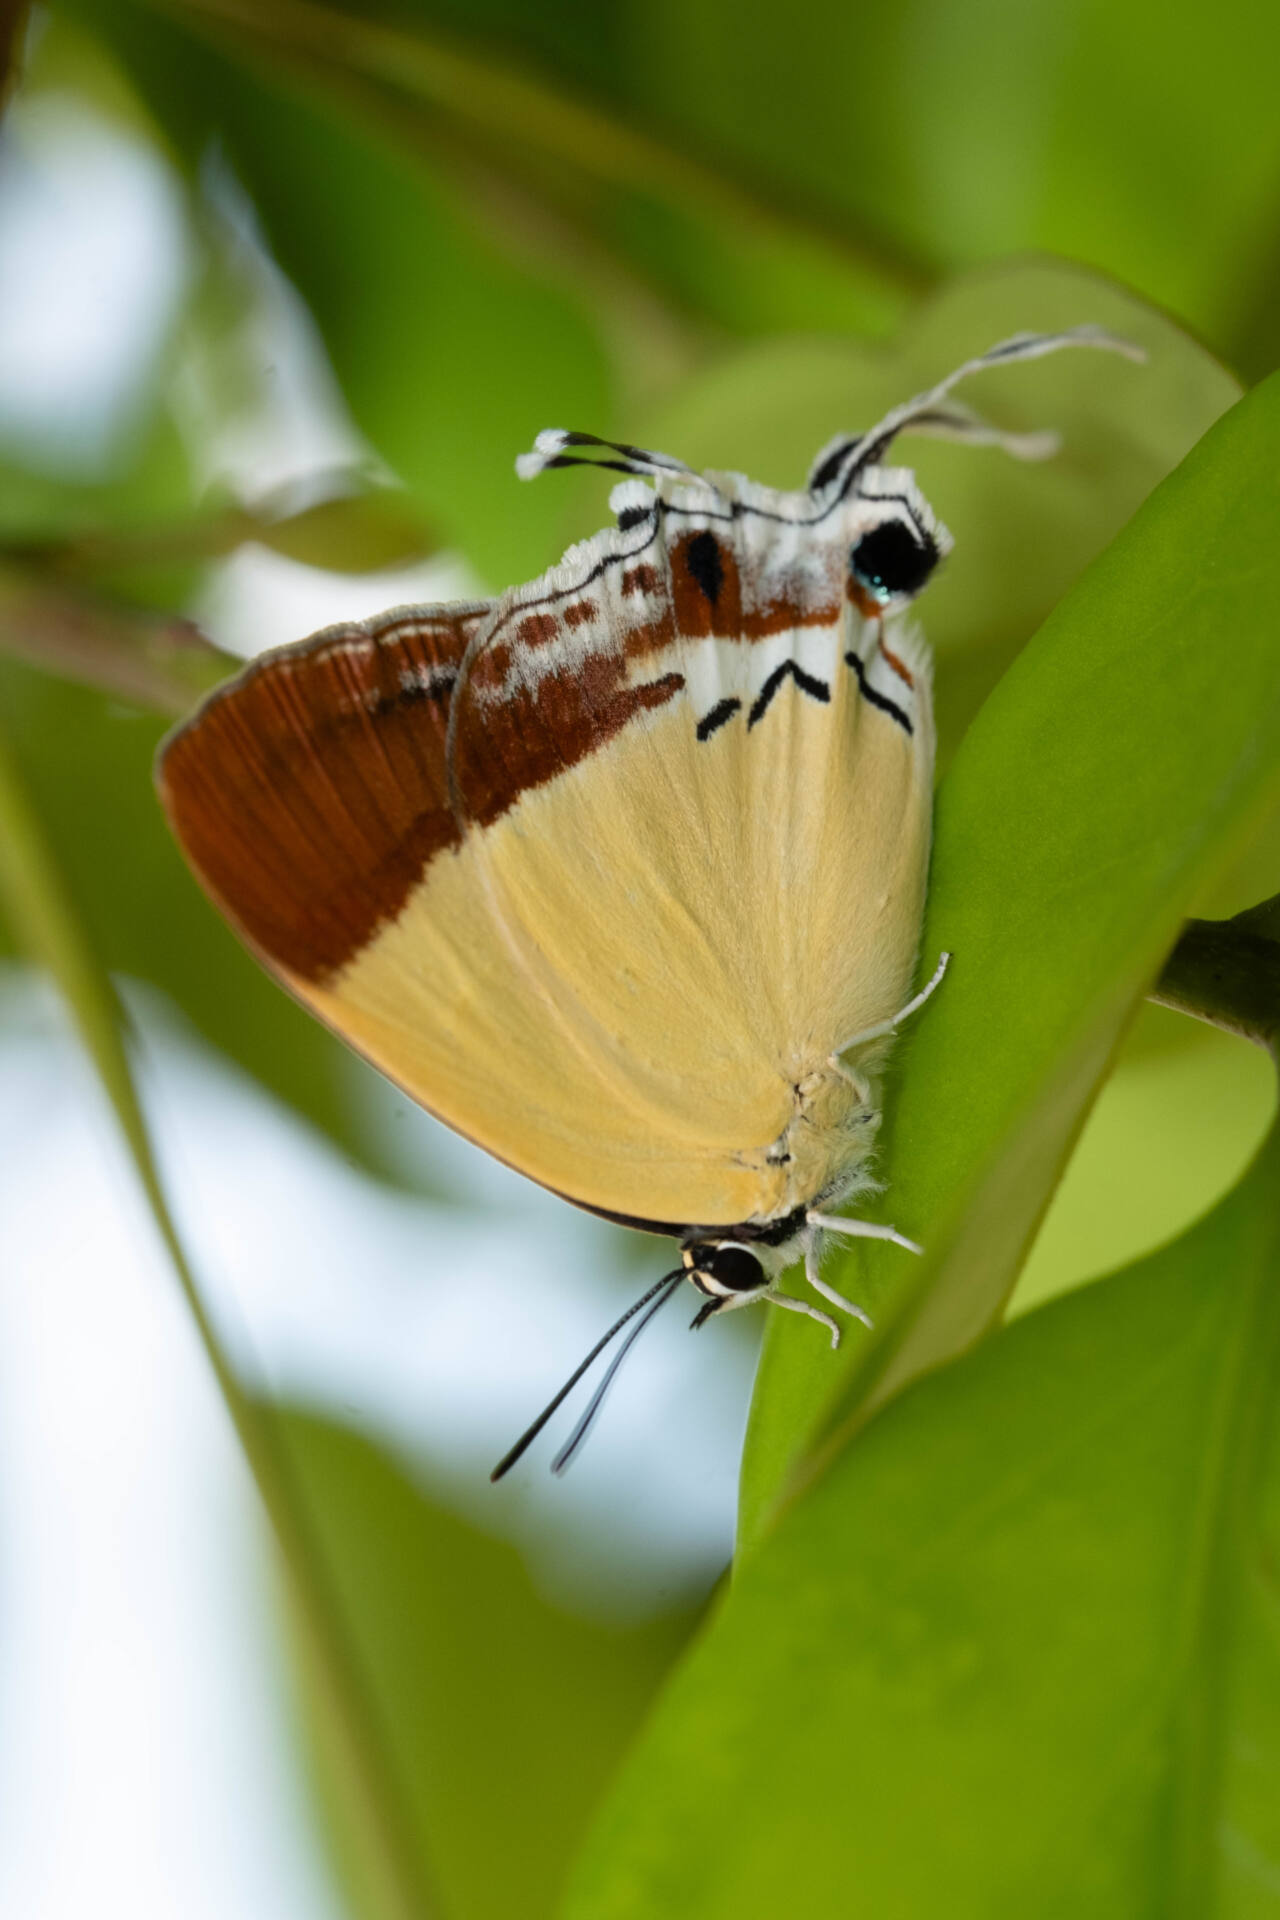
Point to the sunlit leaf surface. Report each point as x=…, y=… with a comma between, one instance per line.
x=1017, y=1653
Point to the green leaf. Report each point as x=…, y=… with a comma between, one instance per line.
x=504, y=1715
x=1118, y=766
x=1017, y=1653
x=348, y=530
x=1180, y=1118
x=638, y=213
x=1140, y=142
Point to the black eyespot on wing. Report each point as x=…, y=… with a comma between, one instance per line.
x=891, y=560
x=731, y=1267
x=706, y=564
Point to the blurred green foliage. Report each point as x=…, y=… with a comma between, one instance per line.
x=499, y=1707
x=1009, y=1651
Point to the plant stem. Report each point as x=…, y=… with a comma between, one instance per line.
x=44, y=921
x=1227, y=972
x=153, y=660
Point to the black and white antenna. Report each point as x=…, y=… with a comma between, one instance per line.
x=932, y=413
x=660, y=1292
x=551, y=449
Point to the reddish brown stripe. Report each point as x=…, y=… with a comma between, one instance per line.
x=903, y=672
x=537, y=629
x=652, y=637
x=310, y=794
x=642, y=579
x=538, y=733
x=491, y=665
x=781, y=614
x=579, y=613
x=865, y=602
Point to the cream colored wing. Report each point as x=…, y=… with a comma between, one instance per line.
x=599, y=873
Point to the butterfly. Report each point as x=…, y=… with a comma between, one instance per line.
x=622, y=873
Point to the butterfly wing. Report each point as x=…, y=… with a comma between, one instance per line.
x=602, y=871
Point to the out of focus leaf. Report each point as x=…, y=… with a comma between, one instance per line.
x=1059, y=887
x=1183, y=1113
x=1142, y=142
x=149, y=479
x=505, y=1715
x=343, y=532
x=450, y=357
x=724, y=241
x=359, y=534
x=13, y=20
x=1017, y=1653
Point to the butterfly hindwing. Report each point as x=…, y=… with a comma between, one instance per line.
x=599, y=872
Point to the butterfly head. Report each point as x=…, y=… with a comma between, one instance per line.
x=726, y=1271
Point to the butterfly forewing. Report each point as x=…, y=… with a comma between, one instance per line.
x=602, y=871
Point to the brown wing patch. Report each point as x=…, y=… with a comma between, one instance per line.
x=538, y=732
x=712, y=598
x=310, y=794
x=787, y=609
x=641, y=579
x=706, y=591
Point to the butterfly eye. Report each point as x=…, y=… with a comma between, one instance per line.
x=890, y=560
x=730, y=1269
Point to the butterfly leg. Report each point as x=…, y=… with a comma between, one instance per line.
x=860, y=1230
x=802, y=1306
x=828, y=1292
x=890, y=1026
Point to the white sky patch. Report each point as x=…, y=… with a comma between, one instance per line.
x=94, y=263
x=440, y=1330
x=260, y=406
x=144, y=1763
x=143, y=1710
x=259, y=599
